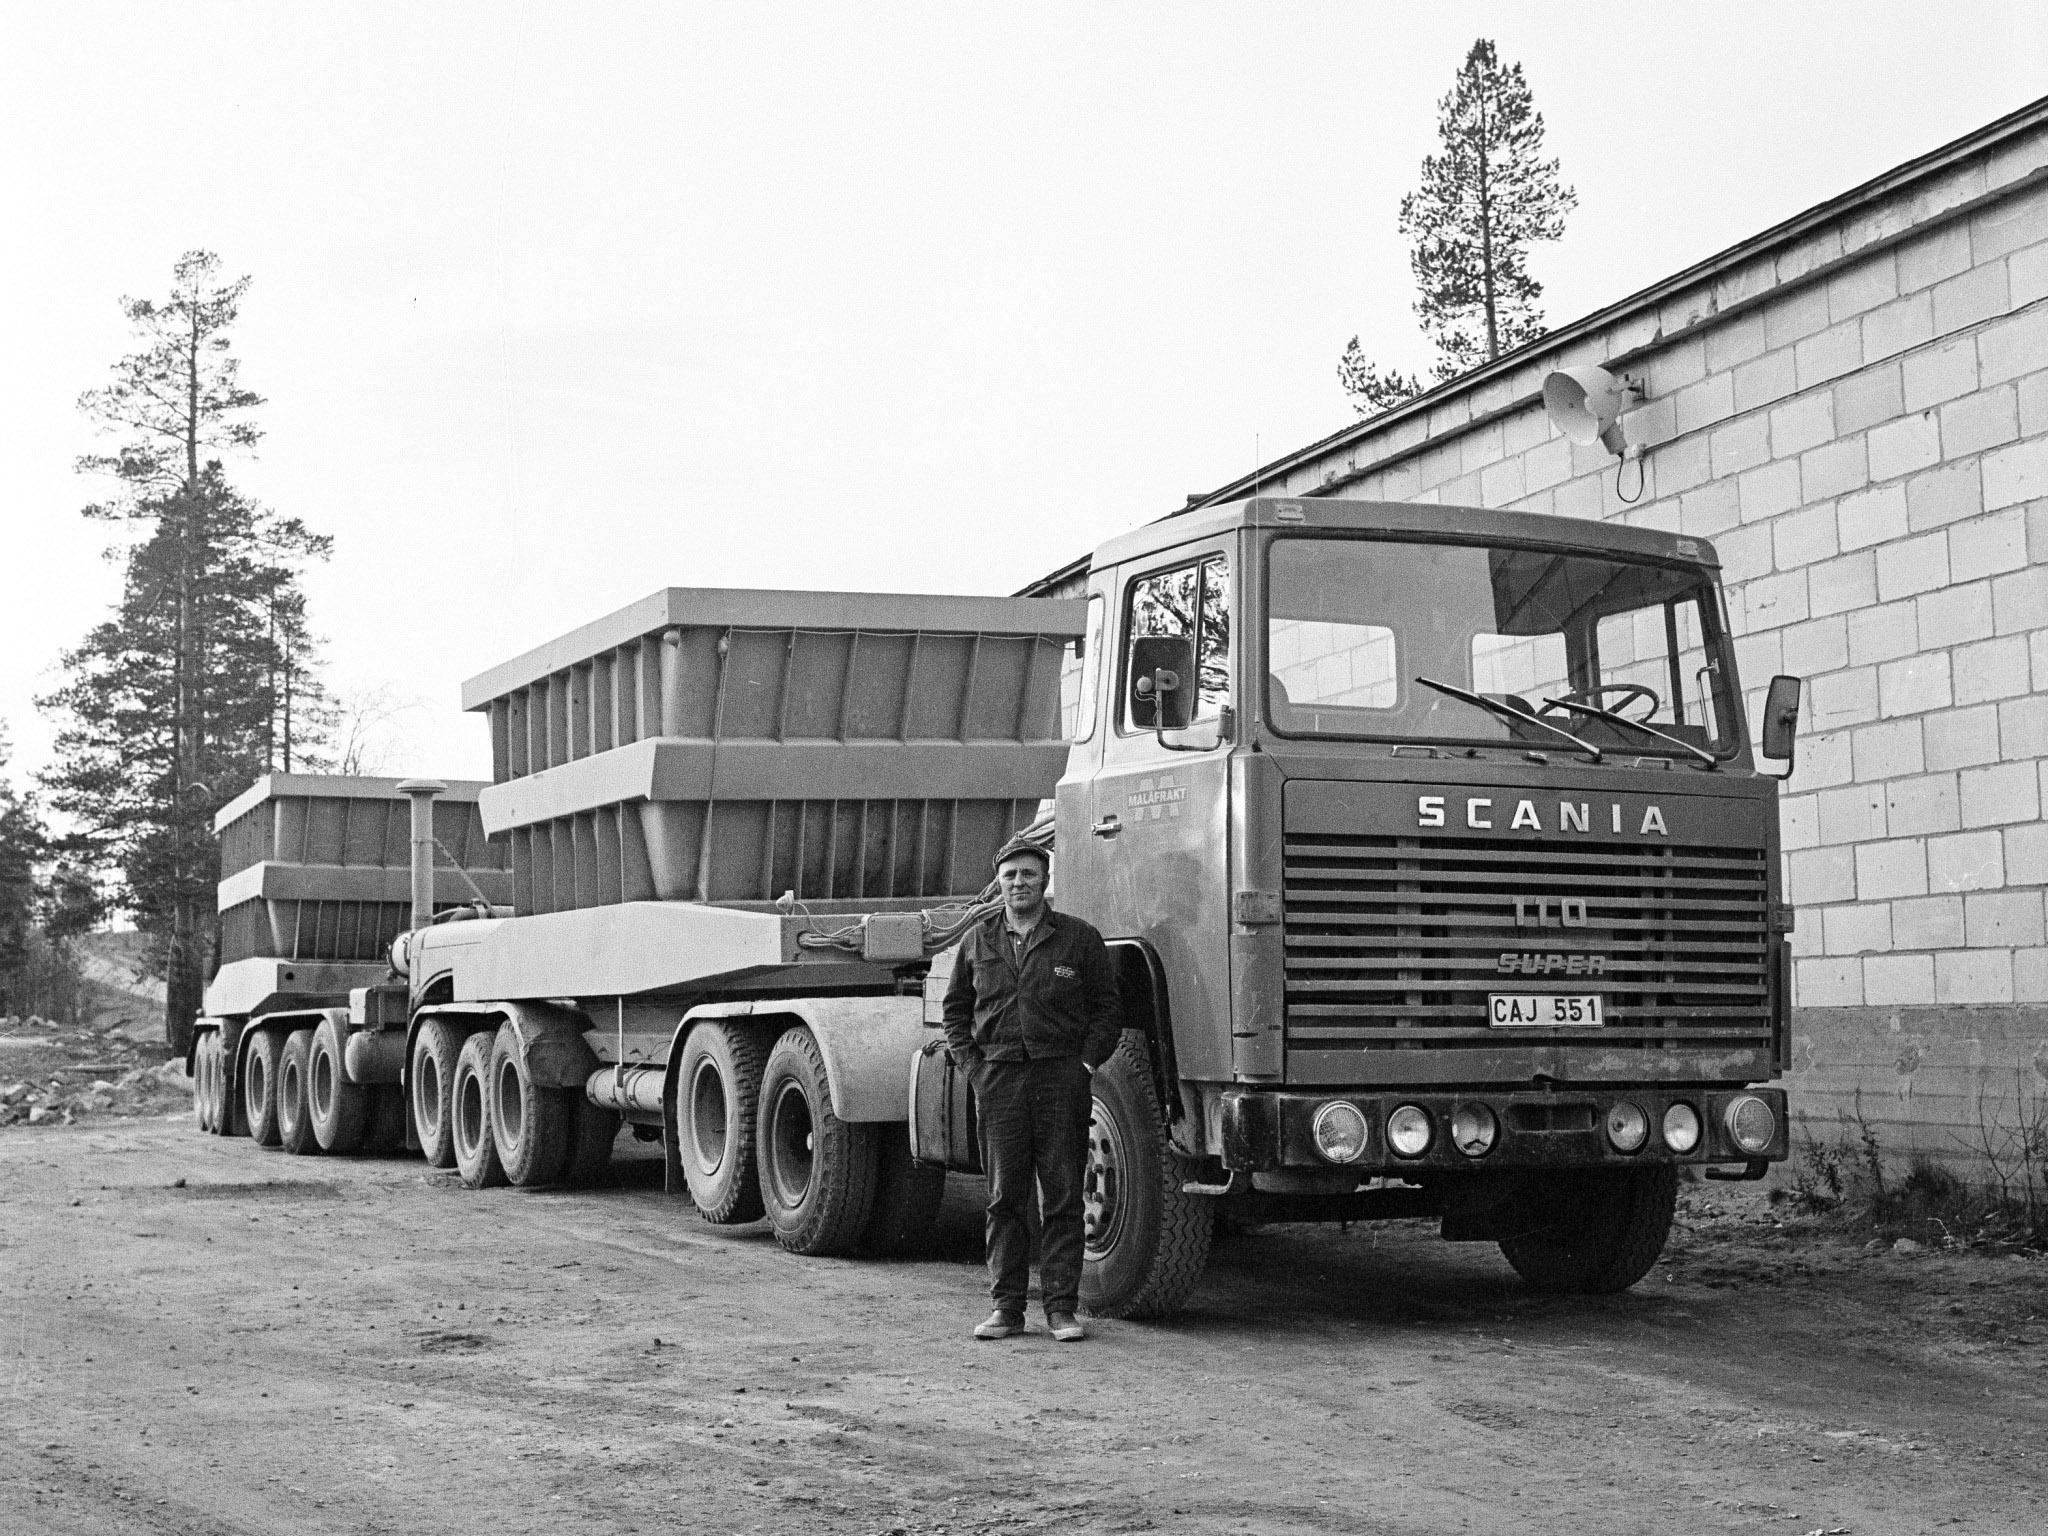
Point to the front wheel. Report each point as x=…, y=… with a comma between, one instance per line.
x=1146, y=1240
x=1611, y=1226
x=817, y=1170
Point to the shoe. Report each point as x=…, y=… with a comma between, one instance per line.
x=1066, y=1327
x=1000, y=1325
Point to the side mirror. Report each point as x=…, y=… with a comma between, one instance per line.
x=1162, y=682
x=1781, y=720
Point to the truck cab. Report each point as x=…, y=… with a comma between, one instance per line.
x=1441, y=836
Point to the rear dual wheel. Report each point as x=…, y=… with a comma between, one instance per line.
x=530, y=1122
x=259, y=1086
x=432, y=1087
x=476, y=1152
x=718, y=1090
x=339, y=1109
x=294, y=1116
x=817, y=1171
x=206, y=1107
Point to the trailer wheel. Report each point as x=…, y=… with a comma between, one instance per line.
x=476, y=1155
x=294, y=1116
x=432, y=1088
x=202, y=1082
x=1611, y=1227
x=907, y=1196
x=259, y=1086
x=338, y=1108
x=529, y=1121
x=817, y=1171
x=590, y=1142
x=1147, y=1240
x=718, y=1092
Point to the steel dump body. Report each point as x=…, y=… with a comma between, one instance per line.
x=731, y=746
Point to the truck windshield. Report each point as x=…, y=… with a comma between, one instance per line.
x=1352, y=624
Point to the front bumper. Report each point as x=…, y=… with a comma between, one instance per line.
x=1264, y=1130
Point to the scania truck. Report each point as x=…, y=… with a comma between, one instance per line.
x=1439, y=869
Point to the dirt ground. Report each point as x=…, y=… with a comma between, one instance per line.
x=204, y=1337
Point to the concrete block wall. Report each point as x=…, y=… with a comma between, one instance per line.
x=1856, y=414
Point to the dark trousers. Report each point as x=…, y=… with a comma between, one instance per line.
x=1034, y=1132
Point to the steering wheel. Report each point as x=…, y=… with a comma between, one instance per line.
x=1629, y=692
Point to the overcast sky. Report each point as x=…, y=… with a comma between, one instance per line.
x=558, y=304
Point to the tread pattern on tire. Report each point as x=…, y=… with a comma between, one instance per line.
x=1616, y=1227
x=294, y=1115
x=259, y=1083
x=1182, y=1225
x=733, y=1195
x=438, y=1043
x=538, y=1152
x=835, y=1209
x=476, y=1153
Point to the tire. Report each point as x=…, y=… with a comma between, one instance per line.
x=1612, y=1226
x=476, y=1154
x=529, y=1122
x=907, y=1196
x=590, y=1143
x=718, y=1092
x=338, y=1108
x=1147, y=1240
x=817, y=1171
x=294, y=1117
x=387, y=1119
x=432, y=1087
x=202, y=1082
x=259, y=1087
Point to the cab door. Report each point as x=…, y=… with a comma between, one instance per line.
x=1153, y=814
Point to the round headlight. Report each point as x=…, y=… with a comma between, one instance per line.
x=1627, y=1127
x=1750, y=1124
x=1340, y=1132
x=1409, y=1131
x=1681, y=1128
x=1473, y=1129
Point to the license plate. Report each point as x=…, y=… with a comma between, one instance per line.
x=1542, y=1010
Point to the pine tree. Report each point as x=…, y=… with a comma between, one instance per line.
x=175, y=703
x=22, y=847
x=1483, y=202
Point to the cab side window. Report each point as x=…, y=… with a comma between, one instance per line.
x=1189, y=600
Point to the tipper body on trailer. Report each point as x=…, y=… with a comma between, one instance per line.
x=1429, y=843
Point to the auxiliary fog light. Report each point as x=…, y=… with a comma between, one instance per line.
x=1340, y=1132
x=1409, y=1131
x=1627, y=1126
x=1473, y=1129
x=1750, y=1124
x=1681, y=1128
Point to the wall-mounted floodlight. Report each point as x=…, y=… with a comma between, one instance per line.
x=1585, y=404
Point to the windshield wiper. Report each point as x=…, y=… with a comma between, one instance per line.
x=1509, y=712
x=1635, y=725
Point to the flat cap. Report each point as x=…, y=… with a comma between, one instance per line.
x=1017, y=845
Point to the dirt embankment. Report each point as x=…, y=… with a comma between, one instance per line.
x=203, y=1337
x=110, y=1061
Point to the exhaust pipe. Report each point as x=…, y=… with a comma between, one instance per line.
x=422, y=792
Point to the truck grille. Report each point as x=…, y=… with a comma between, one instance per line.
x=1396, y=941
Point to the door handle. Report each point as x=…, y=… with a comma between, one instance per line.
x=1109, y=826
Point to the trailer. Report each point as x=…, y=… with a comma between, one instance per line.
x=1438, y=868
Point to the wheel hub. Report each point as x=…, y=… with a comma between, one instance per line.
x=1104, y=1202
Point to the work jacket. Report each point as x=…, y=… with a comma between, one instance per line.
x=1058, y=998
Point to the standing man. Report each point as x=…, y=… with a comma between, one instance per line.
x=1032, y=1010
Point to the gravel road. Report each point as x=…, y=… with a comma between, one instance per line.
x=203, y=1337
